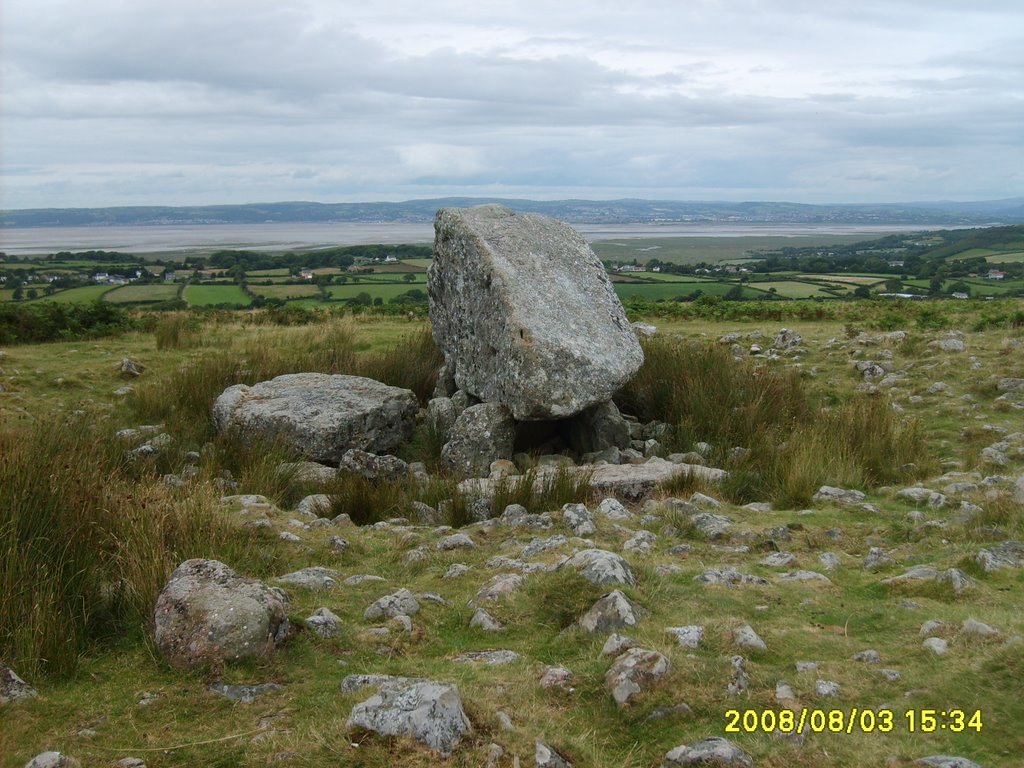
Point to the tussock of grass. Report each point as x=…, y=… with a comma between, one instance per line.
x=794, y=443
x=177, y=330
x=86, y=544
x=551, y=491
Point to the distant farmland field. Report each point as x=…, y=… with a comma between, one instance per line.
x=85, y=293
x=385, y=291
x=792, y=289
x=691, y=250
x=211, y=295
x=285, y=291
x=669, y=291
x=139, y=294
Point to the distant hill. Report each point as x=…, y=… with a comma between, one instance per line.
x=576, y=211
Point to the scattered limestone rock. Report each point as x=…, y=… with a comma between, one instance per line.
x=953, y=577
x=53, y=760
x=324, y=622
x=13, y=687
x=972, y=626
x=207, y=613
x=497, y=658
x=688, y=636
x=557, y=677
x=877, y=558
x=778, y=559
x=612, y=611
x=579, y=519
x=400, y=603
x=430, y=712
x=640, y=543
x=740, y=680
x=936, y=645
x=373, y=467
x=455, y=541
x=826, y=688
x=805, y=576
x=316, y=505
x=525, y=312
x=633, y=672
x=314, y=577
x=745, y=637
x=612, y=509
x=843, y=496
x=728, y=576
x=600, y=567
x=869, y=656
x=546, y=757
x=945, y=761
x=498, y=587
x=243, y=694
x=1009, y=554
x=319, y=415
x=713, y=751
x=482, y=620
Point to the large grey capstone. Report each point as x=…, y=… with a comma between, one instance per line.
x=319, y=415
x=207, y=614
x=428, y=711
x=524, y=310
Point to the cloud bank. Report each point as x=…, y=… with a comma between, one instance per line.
x=113, y=103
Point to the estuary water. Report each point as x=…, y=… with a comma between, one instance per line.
x=159, y=239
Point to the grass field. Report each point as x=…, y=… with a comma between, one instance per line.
x=421, y=263
x=6, y=294
x=385, y=291
x=669, y=291
x=282, y=271
x=285, y=291
x=793, y=289
x=1013, y=257
x=211, y=295
x=138, y=294
x=691, y=250
x=85, y=293
x=853, y=279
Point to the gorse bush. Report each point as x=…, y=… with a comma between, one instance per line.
x=87, y=541
x=794, y=441
x=49, y=321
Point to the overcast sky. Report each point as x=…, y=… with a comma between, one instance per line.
x=141, y=102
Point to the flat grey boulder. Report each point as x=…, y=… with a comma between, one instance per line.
x=945, y=761
x=427, y=711
x=713, y=751
x=207, y=613
x=481, y=435
x=314, y=577
x=600, y=567
x=319, y=415
x=611, y=612
x=1009, y=554
x=244, y=694
x=52, y=760
x=13, y=687
x=400, y=603
x=843, y=496
x=546, y=757
x=324, y=622
x=635, y=671
x=525, y=312
x=373, y=467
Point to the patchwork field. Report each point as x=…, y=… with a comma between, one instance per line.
x=211, y=295
x=138, y=294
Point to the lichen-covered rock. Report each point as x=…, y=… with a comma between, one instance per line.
x=207, y=614
x=612, y=611
x=52, y=760
x=713, y=751
x=428, y=711
x=600, y=567
x=633, y=672
x=13, y=687
x=372, y=466
x=320, y=416
x=526, y=313
x=481, y=435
